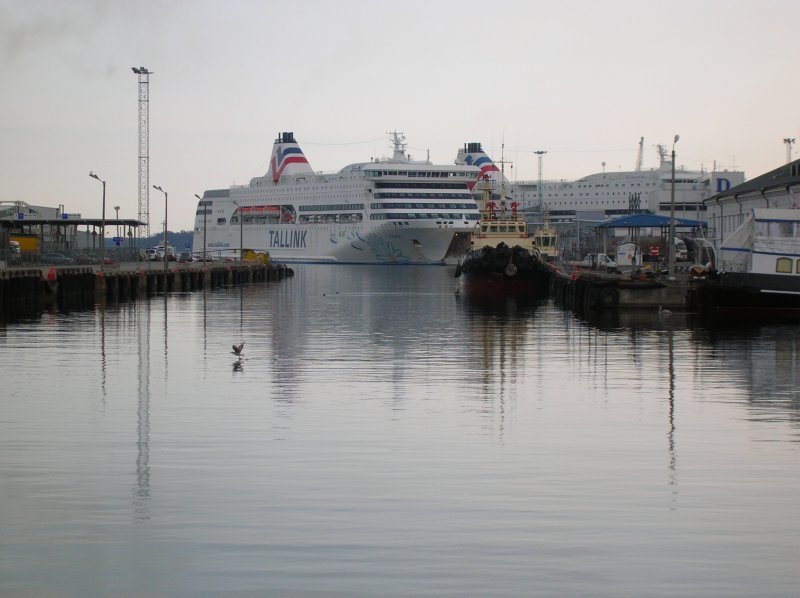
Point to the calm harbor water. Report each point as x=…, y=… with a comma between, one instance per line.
x=384, y=436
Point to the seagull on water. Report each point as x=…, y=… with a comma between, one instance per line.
x=237, y=349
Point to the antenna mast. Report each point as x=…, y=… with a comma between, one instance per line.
x=503, y=163
x=144, y=147
x=398, y=144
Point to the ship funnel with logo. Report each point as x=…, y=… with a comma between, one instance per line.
x=287, y=158
x=472, y=154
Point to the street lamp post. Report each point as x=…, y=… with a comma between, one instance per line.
x=789, y=141
x=103, y=219
x=205, y=216
x=671, y=240
x=241, y=232
x=116, y=209
x=166, y=203
x=541, y=154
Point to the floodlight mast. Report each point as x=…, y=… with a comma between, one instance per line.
x=144, y=147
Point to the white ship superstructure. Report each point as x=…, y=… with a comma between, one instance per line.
x=615, y=193
x=387, y=211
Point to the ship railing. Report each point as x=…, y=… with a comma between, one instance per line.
x=776, y=244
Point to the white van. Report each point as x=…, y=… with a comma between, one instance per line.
x=14, y=252
x=681, y=253
x=156, y=254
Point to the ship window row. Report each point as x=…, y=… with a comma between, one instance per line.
x=422, y=173
x=332, y=207
x=393, y=185
x=571, y=194
x=683, y=207
x=260, y=219
x=783, y=265
x=401, y=195
x=615, y=184
x=423, y=206
x=502, y=228
x=200, y=212
x=422, y=216
x=329, y=218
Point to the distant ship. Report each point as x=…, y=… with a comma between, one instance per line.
x=386, y=211
x=614, y=193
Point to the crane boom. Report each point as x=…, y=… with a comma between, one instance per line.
x=640, y=158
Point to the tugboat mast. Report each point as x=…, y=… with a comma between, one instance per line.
x=503, y=163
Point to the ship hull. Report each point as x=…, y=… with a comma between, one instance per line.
x=502, y=271
x=751, y=292
x=382, y=244
x=494, y=285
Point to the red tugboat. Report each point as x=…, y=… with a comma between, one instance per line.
x=503, y=260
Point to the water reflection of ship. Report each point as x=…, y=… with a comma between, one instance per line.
x=764, y=360
x=503, y=328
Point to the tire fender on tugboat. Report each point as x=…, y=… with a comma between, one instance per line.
x=607, y=297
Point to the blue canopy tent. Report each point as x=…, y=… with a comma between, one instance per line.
x=651, y=221
x=634, y=222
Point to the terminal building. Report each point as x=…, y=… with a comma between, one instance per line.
x=30, y=232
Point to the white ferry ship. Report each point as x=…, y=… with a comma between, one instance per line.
x=386, y=211
x=611, y=194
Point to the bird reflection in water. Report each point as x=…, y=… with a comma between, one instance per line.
x=238, y=365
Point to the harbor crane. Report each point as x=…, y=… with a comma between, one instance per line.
x=640, y=157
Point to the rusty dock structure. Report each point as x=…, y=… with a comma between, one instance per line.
x=583, y=290
x=28, y=290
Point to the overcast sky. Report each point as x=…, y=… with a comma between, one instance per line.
x=583, y=80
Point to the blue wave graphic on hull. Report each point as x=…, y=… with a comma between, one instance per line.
x=385, y=251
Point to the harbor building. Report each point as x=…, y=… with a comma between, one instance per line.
x=776, y=189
